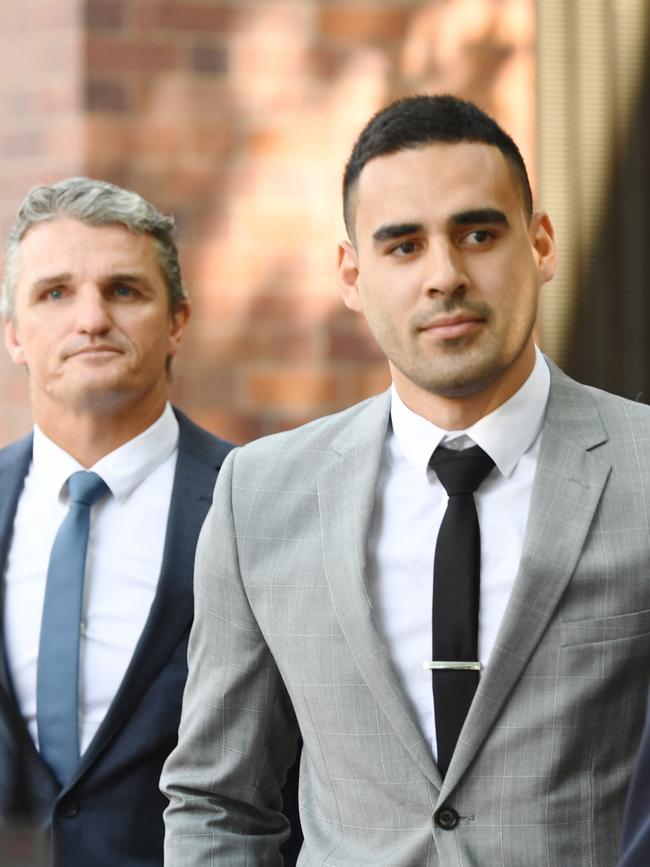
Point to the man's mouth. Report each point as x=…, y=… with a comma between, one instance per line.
x=447, y=326
x=94, y=350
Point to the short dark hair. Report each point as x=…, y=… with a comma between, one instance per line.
x=421, y=120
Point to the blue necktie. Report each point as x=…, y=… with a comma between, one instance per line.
x=57, y=681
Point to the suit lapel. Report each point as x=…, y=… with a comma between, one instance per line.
x=346, y=492
x=567, y=489
x=13, y=469
x=172, y=609
x=30, y=773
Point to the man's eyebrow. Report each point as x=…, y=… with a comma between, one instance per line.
x=127, y=277
x=44, y=283
x=479, y=215
x=53, y=280
x=395, y=230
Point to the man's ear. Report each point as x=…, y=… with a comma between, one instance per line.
x=542, y=236
x=348, y=268
x=178, y=323
x=13, y=342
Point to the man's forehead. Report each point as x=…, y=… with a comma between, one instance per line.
x=66, y=239
x=434, y=160
x=452, y=176
x=65, y=228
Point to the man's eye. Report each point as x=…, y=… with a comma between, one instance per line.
x=54, y=294
x=479, y=236
x=123, y=291
x=406, y=248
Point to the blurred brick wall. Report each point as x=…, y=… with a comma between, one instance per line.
x=238, y=118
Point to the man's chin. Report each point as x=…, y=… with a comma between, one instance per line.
x=96, y=397
x=466, y=382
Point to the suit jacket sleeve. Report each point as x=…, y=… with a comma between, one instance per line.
x=237, y=735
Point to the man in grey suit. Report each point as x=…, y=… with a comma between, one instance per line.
x=315, y=568
x=95, y=310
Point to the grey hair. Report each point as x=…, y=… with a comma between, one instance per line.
x=95, y=203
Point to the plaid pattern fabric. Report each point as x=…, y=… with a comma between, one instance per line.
x=284, y=639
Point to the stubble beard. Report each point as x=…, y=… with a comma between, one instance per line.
x=464, y=367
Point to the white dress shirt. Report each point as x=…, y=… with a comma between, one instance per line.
x=125, y=550
x=410, y=504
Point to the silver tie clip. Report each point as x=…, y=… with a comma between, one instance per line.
x=451, y=666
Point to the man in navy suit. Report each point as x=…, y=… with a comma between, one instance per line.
x=636, y=824
x=95, y=310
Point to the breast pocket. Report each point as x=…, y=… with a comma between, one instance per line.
x=617, y=627
x=604, y=665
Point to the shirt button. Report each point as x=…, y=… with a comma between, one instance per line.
x=447, y=818
x=68, y=808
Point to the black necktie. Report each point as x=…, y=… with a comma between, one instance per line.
x=456, y=588
x=57, y=680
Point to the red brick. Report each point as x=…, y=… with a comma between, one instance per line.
x=209, y=58
x=366, y=381
x=286, y=386
x=327, y=59
x=349, y=338
x=363, y=22
x=107, y=95
x=290, y=18
x=198, y=98
x=353, y=347
x=104, y=14
x=107, y=137
x=305, y=308
x=205, y=381
x=158, y=138
x=282, y=419
x=255, y=340
x=210, y=137
x=107, y=55
x=196, y=17
x=231, y=424
x=298, y=346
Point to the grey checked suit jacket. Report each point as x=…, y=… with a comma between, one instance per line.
x=284, y=639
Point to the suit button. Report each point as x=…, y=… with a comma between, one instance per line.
x=68, y=808
x=447, y=818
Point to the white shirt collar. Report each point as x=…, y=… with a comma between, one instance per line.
x=505, y=434
x=123, y=469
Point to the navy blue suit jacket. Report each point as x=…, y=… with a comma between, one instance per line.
x=110, y=813
x=636, y=823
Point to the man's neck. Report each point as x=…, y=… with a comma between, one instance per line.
x=88, y=437
x=454, y=414
x=459, y=413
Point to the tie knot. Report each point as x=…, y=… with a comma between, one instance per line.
x=460, y=472
x=85, y=487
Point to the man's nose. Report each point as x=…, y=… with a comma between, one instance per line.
x=445, y=272
x=91, y=310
